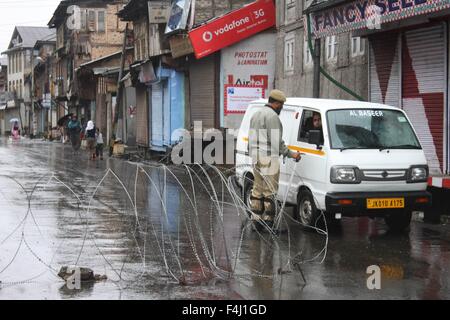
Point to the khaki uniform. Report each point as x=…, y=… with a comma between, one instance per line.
x=265, y=147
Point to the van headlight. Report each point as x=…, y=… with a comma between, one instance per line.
x=418, y=174
x=345, y=174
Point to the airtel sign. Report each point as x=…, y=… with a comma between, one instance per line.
x=232, y=27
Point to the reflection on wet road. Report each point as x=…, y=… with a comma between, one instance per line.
x=179, y=233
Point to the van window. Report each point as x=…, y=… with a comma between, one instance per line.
x=370, y=129
x=309, y=122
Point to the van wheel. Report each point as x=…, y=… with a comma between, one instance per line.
x=398, y=221
x=307, y=210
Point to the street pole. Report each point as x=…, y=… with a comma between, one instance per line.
x=119, y=111
x=316, y=80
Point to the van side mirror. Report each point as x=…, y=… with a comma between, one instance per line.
x=315, y=137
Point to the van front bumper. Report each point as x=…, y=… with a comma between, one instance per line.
x=355, y=203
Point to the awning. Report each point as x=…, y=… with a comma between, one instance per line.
x=147, y=73
x=127, y=80
x=2, y=107
x=103, y=71
x=127, y=76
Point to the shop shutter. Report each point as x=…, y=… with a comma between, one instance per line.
x=384, y=70
x=202, y=80
x=423, y=89
x=141, y=116
x=166, y=113
x=157, y=115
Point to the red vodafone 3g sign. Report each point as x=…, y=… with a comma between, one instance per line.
x=232, y=27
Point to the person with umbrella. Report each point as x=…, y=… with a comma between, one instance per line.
x=62, y=124
x=15, y=129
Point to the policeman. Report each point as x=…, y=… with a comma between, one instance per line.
x=265, y=147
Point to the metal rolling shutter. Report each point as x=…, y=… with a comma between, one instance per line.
x=167, y=113
x=157, y=115
x=423, y=89
x=141, y=116
x=384, y=69
x=202, y=74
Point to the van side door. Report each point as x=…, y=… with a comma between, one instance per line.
x=290, y=118
x=312, y=169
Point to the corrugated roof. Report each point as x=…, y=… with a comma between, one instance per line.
x=30, y=35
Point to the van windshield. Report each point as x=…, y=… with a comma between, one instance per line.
x=370, y=129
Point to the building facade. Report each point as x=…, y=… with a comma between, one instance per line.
x=44, y=106
x=177, y=88
x=407, y=65
x=343, y=56
x=21, y=59
x=86, y=30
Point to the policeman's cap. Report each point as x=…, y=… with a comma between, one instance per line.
x=278, y=96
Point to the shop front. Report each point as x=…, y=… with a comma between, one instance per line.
x=408, y=69
x=408, y=54
x=167, y=108
x=235, y=64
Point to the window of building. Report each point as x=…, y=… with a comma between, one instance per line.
x=20, y=89
x=143, y=49
x=358, y=46
x=289, y=49
x=307, y=57
x=91, y=20
x=138, y=49
x=146, y=48
x=83, y=19
x=60, y=37
x=20, y=61
x=331, y=47
x=290, y=10
x=290, y=3
x=101, y=21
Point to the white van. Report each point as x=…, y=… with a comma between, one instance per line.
x=367, y=161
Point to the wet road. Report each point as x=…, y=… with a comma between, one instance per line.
x=174, y=233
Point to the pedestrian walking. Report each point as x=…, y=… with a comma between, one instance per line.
x=100, y=144
x=91, y=139
x=75, y=128
x=16, y=130
x=265, y=146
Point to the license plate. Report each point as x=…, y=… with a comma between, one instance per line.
x=391, y=203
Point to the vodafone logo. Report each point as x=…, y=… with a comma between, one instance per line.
x=207, y=36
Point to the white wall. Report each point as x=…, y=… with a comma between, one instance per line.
x=243, y=62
